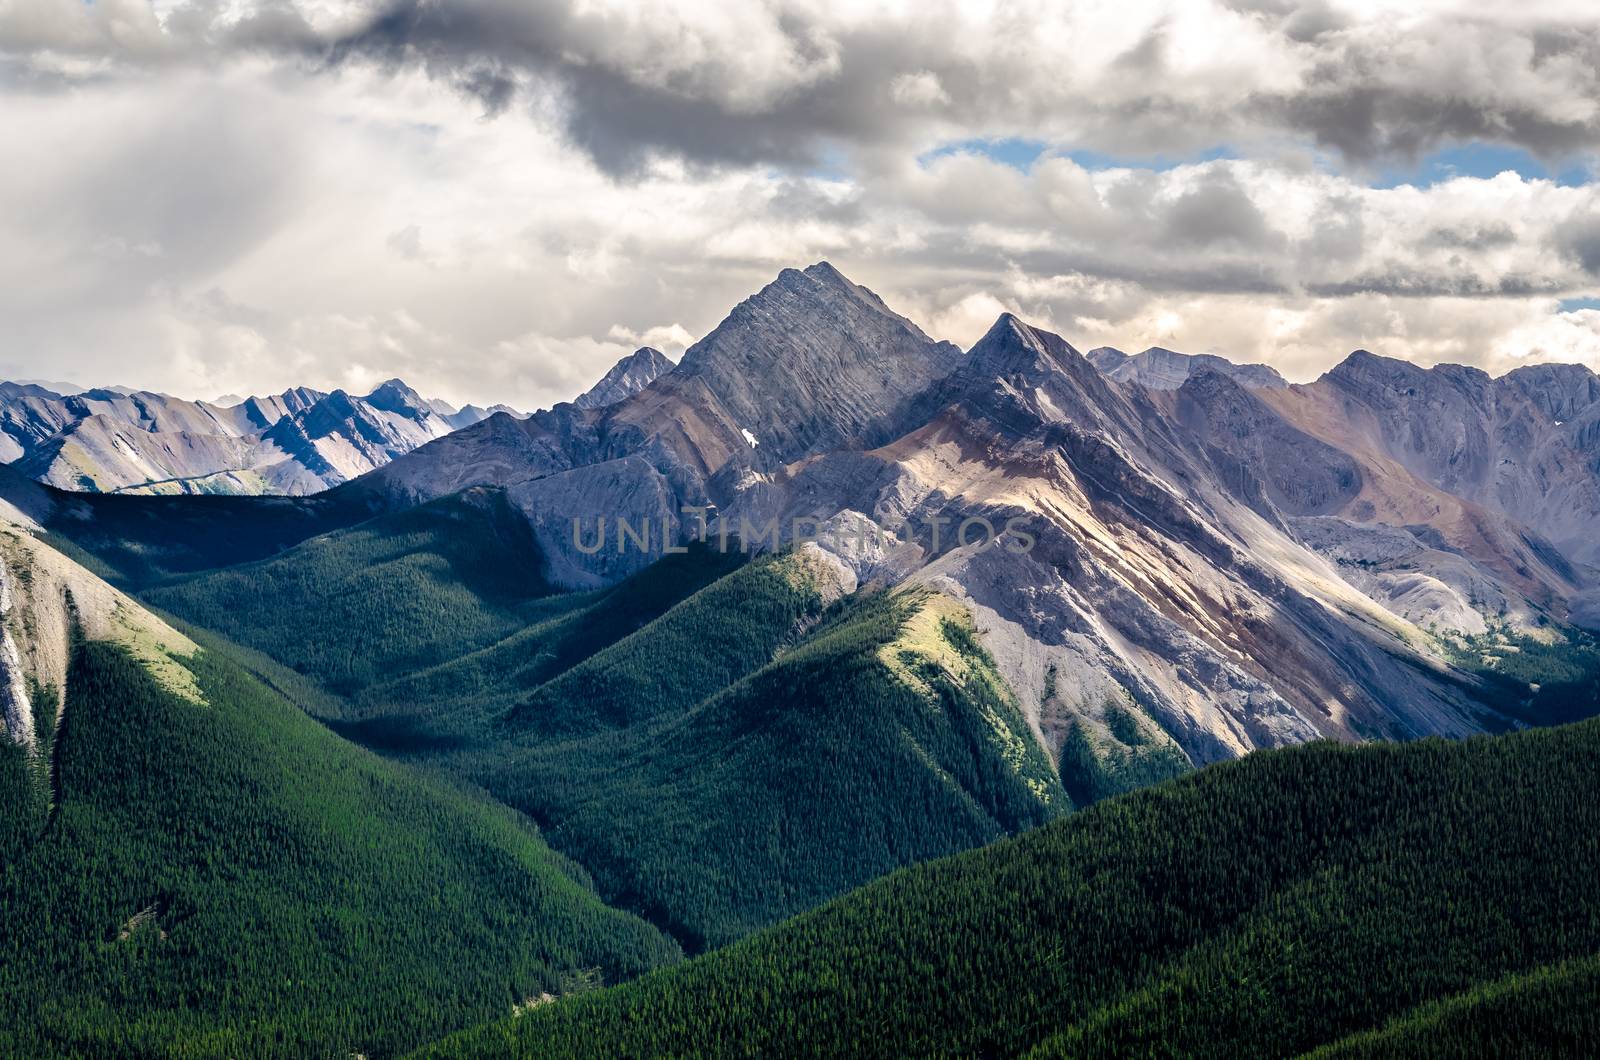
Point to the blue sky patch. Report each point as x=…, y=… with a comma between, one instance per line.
x=1480, y=160
x=1572, y=305
x=1021, y=154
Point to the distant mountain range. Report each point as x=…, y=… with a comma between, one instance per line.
x=120, y=440
x=1161, y=369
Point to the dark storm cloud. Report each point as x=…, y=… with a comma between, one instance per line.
x=788, y=83
x=1150, y=272
x=1580, y=240
x=1484, y=236
x=1360, y=95
x=609, y=110
x=1405, y=281
x=1370, y=123
x=1218, y=213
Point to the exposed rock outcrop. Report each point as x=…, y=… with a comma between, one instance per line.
x=1522, y=447
x=45, y=601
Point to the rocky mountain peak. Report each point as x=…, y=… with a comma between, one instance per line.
x=1013, y=347
x=627, y=377
x=1018, y=376
x=1561, y=391
x=393, y=395
x=1106, y=358
x=811, y=360
x=1364, y=365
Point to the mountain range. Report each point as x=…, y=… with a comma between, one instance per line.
x=1243, y=564
x=120, y=440
x=1238, y=562
x=687, y=661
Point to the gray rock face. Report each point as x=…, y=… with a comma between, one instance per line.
x=1524, y=446
x=297, y=442
x=16, y=712
x=812, y=362
x=1162, y=369
x=626, y=378
x=1266, y=462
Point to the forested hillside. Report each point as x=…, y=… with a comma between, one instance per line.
x=717, y=802
x=1260, y=908
x=135, y=541
x=721, y=743
x=395, y=594
x=1547, y=1012
x=229, y=879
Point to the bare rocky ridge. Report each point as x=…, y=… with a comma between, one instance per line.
x=297, y=442
x=1525, y=446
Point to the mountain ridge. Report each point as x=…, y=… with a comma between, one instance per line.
x=299, y=441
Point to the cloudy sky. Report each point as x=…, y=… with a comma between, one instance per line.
x=495, y=199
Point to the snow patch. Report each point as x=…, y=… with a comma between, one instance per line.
x=749, y=437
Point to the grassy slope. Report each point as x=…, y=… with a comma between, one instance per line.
x=232, y=879
x=1262, y=907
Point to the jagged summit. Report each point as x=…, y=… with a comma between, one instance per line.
x=809, y=362
x=1366, y=365
x=626, y=378
x=393, y=395
x=1016, y=350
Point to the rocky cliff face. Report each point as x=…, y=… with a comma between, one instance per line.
x=46, y=600
x=297, y=442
